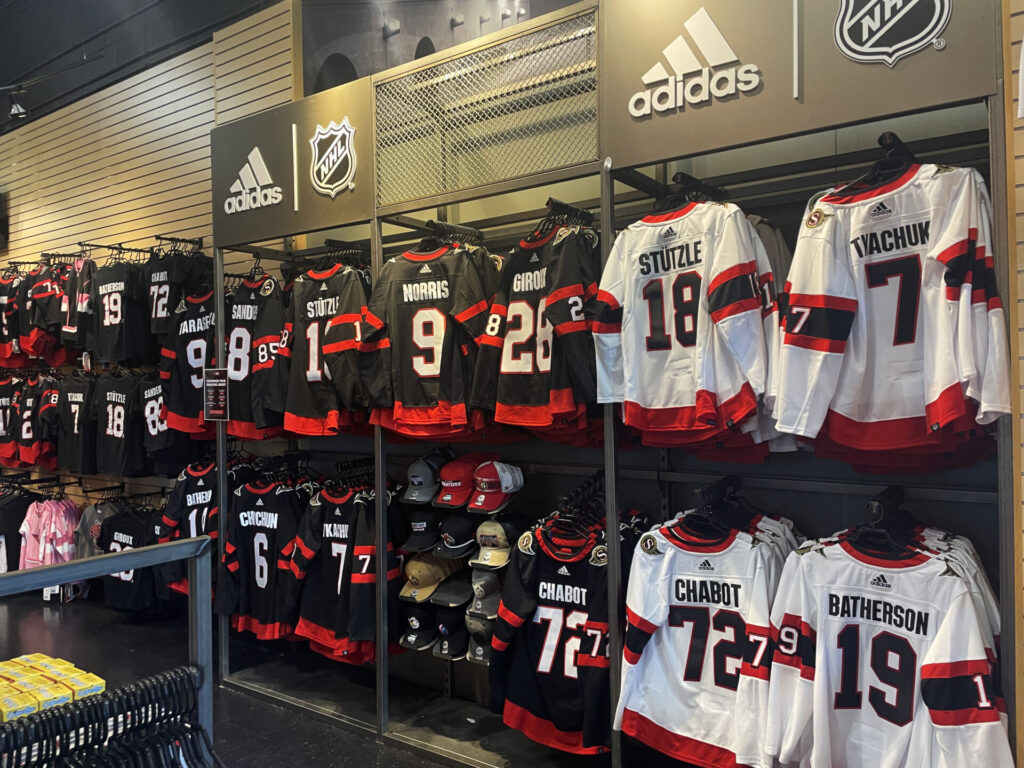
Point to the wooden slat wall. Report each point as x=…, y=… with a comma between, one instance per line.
x=1013, y=32
x=133, y=160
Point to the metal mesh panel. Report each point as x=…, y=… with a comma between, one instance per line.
x=517, y=108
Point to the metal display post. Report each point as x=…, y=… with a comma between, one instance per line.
x=200, y=630
x=220, y=320
x=380, y=484
x=611, y=504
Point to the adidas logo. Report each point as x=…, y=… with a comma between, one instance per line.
x=534, y=259
x=880, y=210
x=259, y=502
x=880, y=581
x=323, y=287
x=668, y=233
x=200, y=484
x=425, y=269
x=253, y=188
x=691, y=81
x=563, y=571
x=705, y=565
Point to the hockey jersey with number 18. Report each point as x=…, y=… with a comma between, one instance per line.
x=880, y=662
x=679, y=321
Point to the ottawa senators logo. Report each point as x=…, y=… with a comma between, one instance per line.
x=526, y=543
x=817, y=218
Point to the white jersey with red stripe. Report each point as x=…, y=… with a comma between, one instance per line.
x=880, y=331
x=679, y=321
x=697, y=652
x=880, y=663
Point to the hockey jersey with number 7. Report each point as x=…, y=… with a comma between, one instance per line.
x=881, y=338
x=674, y=284
x=880, y=663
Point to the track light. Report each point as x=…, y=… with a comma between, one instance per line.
x=458, y=19
x=18, y=112
x=506, y=13
x=520, y=11
x=392, y=27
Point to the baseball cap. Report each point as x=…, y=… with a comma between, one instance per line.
x=419, y=630
x=457, y=479
x=423, y=478
x=424, y=525
x=486, y=594
x=424, y=573
x=458, y=536
x=480, y=631
x=454, y=593
x=495, y=540
x=452, y=635
x=493, y=485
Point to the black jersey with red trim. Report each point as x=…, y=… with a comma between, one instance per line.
x=254, y=587
x=119, y=427
x=321, y=325
x=11, y=355
x=188, y=350
x=120, y=315
x=426, y=316
x=536, y=359
x=73, y=424
x=10, y=389
x=76, y=321
x=190, y=511
x=549, y=652
x=134, y=590
x=35, y=399
x=335, y=555
x=256, y=321
x=39, y=302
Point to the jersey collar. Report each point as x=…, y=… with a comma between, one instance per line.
x=660, y=218
x=869, y=194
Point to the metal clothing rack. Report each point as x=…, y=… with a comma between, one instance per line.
x=197, y=552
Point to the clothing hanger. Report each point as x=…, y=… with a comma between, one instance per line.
x=898, y=160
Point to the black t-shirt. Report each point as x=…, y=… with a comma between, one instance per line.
x=120, y=312
x=73, y=424
x=119, y=427
x=134, y=590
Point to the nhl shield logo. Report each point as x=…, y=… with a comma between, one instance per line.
x=334, y=158
x=887, y=30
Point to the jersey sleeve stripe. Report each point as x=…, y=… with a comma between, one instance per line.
x=640, y=622
x=956, y=669
x=819, y=345
x=498, y=644
x=491, y=341
x=574, y=326
x=364, y=578
x=825, y=302
x=306, y=552
x=169, y=353
x=372, y=319
x=470, y=312
x=607, y=298
x=599, y=327
x=373, y=346
x=507, y=615
x=732, y=273
x=564, y=292
x=586, y=660
x=266, y=340
x=340, y=346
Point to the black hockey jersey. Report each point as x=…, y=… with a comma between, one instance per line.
x=119, y=427
x=536, y=359
x=256, y=321
x=75, y=308
x=190, y=511
x=164, y=277
x=335, y=555
x=312, y=386
x=35, y=445
x=426, y=316
x=254, y=587
x=9, y=391
x=549, y=652
x=39, y=304
x=10, y=324
x=189, y=349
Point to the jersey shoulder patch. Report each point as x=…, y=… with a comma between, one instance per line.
x=817, y=218
x=268, y=286
x=649, y=545
x=526, y=543
x=599, y=556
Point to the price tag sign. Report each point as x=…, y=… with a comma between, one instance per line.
x=215, y=394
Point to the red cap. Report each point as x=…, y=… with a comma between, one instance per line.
x=494, y=483
x=457, y=480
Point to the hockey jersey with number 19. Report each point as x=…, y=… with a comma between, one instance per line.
x=880, y=663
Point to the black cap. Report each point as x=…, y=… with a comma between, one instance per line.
x=457, y=536
x=424, y=525
x=480, y=631
x=454, y=593
x=486, y=594
x=419, y=628
x=452, y=635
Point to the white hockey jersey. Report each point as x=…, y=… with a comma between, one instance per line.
x=891, y=318
x=679, y=321
x=696, y=658
x=880, y=663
